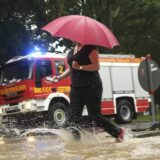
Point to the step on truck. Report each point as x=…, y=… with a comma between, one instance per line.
x=26, y=88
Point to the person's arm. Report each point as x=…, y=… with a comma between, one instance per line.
x=65, y=74
x=94, y=66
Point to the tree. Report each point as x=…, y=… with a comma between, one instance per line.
x=137, y=26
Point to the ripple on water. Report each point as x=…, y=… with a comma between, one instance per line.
x=42, y=143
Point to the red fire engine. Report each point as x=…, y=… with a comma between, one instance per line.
x=25, y=88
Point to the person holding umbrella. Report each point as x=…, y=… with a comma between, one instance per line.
x=86, y=85
x=86, y=88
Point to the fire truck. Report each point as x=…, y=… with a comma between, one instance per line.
x=26, y=87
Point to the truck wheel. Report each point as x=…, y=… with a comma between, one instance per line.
x=59, y=114
x=125, y=112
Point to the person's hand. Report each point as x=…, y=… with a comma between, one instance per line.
x=55, y=79
x=75, y=65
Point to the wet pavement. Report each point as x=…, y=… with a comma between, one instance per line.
x=51, y=144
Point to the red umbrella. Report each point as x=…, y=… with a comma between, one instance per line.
x=82, y=29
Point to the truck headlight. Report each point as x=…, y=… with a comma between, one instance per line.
x=0, y=111
x=29, y=105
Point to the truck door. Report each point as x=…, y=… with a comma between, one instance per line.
x=60, y=66
x=43, y=69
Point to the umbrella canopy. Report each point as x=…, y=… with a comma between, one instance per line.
x=82, y=29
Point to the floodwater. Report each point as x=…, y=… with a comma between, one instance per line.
x=51, y=144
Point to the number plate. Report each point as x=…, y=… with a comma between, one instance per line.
x=12, y=109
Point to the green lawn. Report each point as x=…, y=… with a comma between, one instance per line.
x=145, y=118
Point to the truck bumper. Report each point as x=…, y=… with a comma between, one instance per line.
x=22, y=107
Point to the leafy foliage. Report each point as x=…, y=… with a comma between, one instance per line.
x=137, y=26
x=135, y=23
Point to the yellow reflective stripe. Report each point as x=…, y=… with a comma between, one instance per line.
x=63, y=89
x=46, y=89
x=13, y=89
x=43, y=90
x=37, y=90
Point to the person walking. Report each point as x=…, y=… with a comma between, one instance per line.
x=86, y=88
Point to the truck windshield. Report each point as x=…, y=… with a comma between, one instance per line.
x=16, y=71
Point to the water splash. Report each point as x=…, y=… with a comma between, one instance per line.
x=46, y=143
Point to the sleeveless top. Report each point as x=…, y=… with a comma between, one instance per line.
x=81, y=78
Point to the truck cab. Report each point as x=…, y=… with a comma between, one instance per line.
x=24, y=87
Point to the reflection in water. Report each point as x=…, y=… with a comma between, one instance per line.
x=48, y=146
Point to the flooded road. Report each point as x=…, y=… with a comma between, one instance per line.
x=50, y=144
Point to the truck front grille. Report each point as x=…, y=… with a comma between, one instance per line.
x=13, y=96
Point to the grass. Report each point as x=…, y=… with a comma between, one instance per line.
x=145, y=118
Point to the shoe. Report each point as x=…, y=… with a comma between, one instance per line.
x=75, y=133
x=120, y=138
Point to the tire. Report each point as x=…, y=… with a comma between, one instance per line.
x=125, y=112
x=59, y=114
